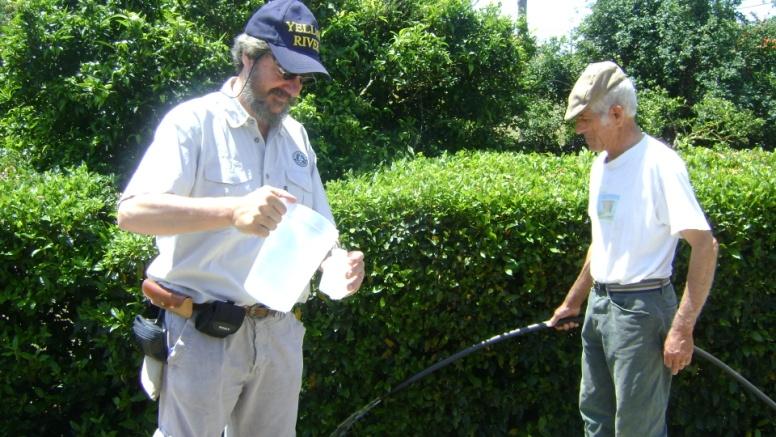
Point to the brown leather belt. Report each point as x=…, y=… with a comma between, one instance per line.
x=260, y=311
x=184, y=307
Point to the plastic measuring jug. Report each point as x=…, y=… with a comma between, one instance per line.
x=289, y=257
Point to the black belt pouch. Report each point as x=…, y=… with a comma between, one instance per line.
x=219, y=319
x=151, y=336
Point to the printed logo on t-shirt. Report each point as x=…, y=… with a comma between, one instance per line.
x=607, y=206
x=299, y=159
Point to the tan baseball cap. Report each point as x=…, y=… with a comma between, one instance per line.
x=597, y=79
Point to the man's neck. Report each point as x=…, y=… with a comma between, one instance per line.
x=629, y=137
x=263, y=128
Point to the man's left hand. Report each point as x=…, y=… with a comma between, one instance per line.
x=677, y=350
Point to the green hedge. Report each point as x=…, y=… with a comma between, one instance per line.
x=468, y=246
x=87, y=81
x=458, y=249
x=67, y=365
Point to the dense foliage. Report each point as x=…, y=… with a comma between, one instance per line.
x=63, y=311
x=86, y=82
x=414, y=77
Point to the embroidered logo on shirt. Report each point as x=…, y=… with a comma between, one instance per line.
x=607, y=206
x=300, y=159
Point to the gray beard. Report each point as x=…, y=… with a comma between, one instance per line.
x=261, y=110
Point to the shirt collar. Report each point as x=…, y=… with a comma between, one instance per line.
x=632, y=153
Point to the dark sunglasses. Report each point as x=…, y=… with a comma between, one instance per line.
x=306, y=78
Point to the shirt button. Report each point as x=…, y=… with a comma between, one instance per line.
x=256, y=140
x=266, y=176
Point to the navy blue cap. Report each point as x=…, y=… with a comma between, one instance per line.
x=292, y=33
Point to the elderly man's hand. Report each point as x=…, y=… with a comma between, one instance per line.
x=677, y=350
x=563, y=312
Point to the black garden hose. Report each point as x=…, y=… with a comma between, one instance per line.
x=748, y=385
x=345, y=426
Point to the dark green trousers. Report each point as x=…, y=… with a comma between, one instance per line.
x=625, y=385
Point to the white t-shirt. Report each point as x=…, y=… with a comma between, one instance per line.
x=638, y=205
x=211, y=147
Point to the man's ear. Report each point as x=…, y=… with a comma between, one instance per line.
x=247, y=63
x=617, y=113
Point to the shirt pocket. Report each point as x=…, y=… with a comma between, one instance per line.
x=299, y=183
x=227, y=176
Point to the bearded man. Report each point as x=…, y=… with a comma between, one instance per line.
x=212, y=185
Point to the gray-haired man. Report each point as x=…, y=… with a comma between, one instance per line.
x=641, y=202
x=211, y=185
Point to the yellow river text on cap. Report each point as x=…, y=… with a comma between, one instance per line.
x=302, y=40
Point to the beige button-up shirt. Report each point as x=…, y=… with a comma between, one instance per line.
x=211, y=147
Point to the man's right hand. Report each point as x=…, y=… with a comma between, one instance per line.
x=563, y=312
x=260, y=212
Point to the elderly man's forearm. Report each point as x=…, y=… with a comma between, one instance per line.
x=700, y=276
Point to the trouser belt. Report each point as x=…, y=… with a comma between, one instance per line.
x=184, y=306
x=255, y=311
x=260, y=311
x=217, y=318
x=645, y=285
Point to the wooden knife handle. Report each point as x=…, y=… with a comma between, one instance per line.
x=167, y=300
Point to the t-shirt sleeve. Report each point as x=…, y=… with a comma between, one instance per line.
x=680, y=208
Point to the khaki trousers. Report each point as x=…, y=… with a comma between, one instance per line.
x=246, y=384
